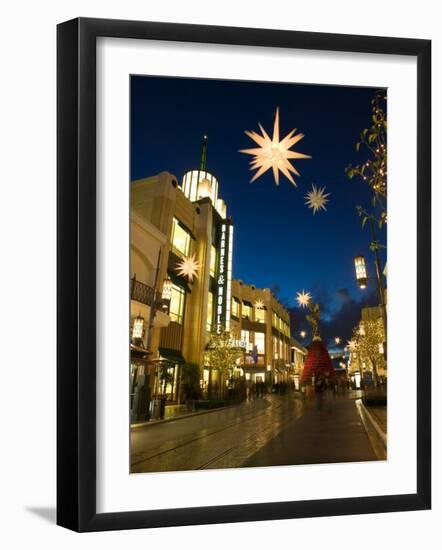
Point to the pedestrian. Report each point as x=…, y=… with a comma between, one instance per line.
x=319, y=392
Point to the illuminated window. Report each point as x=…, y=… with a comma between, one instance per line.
x=235, y=307
x=180, y=239
x=260, y=315
x=245, y=337
x=260, y=342
x=209, y=312
x=275, y=347
x=176, y=311
x=246, y=311
x=213, y=261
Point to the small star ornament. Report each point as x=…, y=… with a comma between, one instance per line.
x=188, y=267
x=259, y=304
x=303, y=298
x=274, y=153
x=317, y=198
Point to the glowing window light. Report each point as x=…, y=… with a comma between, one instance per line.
x=361, y=271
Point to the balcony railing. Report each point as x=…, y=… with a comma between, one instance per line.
x=141, y=293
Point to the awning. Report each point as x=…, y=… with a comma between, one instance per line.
x=139, y=353
x=247, y=303
x=172, y=355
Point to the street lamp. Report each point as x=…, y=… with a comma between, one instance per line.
x=361, y=271
x=337, y=340
x=303, y=334
x=361, y=276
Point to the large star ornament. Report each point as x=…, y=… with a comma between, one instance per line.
x=273, y=153
x=303, y=298
x=188, y=267
x=317, y=199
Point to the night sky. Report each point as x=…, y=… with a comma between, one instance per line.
x=278, y=242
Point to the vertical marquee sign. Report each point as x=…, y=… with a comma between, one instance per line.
x=224, y=282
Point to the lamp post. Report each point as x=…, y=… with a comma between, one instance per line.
x=362, y=279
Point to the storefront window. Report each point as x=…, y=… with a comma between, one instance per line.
x=209, y=312
x=176, y=311
x=180, y=239
x=260, y=342
x=245, y=337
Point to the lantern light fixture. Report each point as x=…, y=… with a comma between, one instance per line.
x=138, y=327
x=361, y=271
x=167, y=289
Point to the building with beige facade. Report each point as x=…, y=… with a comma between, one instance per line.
x=262, y=324
x=172, y=222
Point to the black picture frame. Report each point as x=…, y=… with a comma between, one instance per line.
x=76, y=274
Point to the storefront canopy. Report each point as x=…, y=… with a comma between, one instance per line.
x=172, y=355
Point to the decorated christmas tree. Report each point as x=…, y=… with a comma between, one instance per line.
x=318, y=363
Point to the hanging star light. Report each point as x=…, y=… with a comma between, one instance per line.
x=259, y=304
x=188, y=267
x=273, y=153
x=317, y=199
x=303, y=298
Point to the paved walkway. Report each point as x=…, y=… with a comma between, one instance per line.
x=332, y=433
x=221, y=439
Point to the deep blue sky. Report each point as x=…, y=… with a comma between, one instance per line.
x=278, y=241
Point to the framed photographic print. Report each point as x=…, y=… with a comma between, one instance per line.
x=243, y=318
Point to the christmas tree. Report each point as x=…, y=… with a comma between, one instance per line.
x=318, y=363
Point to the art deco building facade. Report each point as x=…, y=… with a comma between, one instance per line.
x=184, y=221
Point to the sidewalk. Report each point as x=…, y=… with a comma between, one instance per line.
x=189, y=414
x=177, y=416
x=333, y=433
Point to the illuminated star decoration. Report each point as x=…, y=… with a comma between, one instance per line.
x=273, y=153
x=188, y=267
x=317, y=199
x=303, y=298
x=259, y=304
